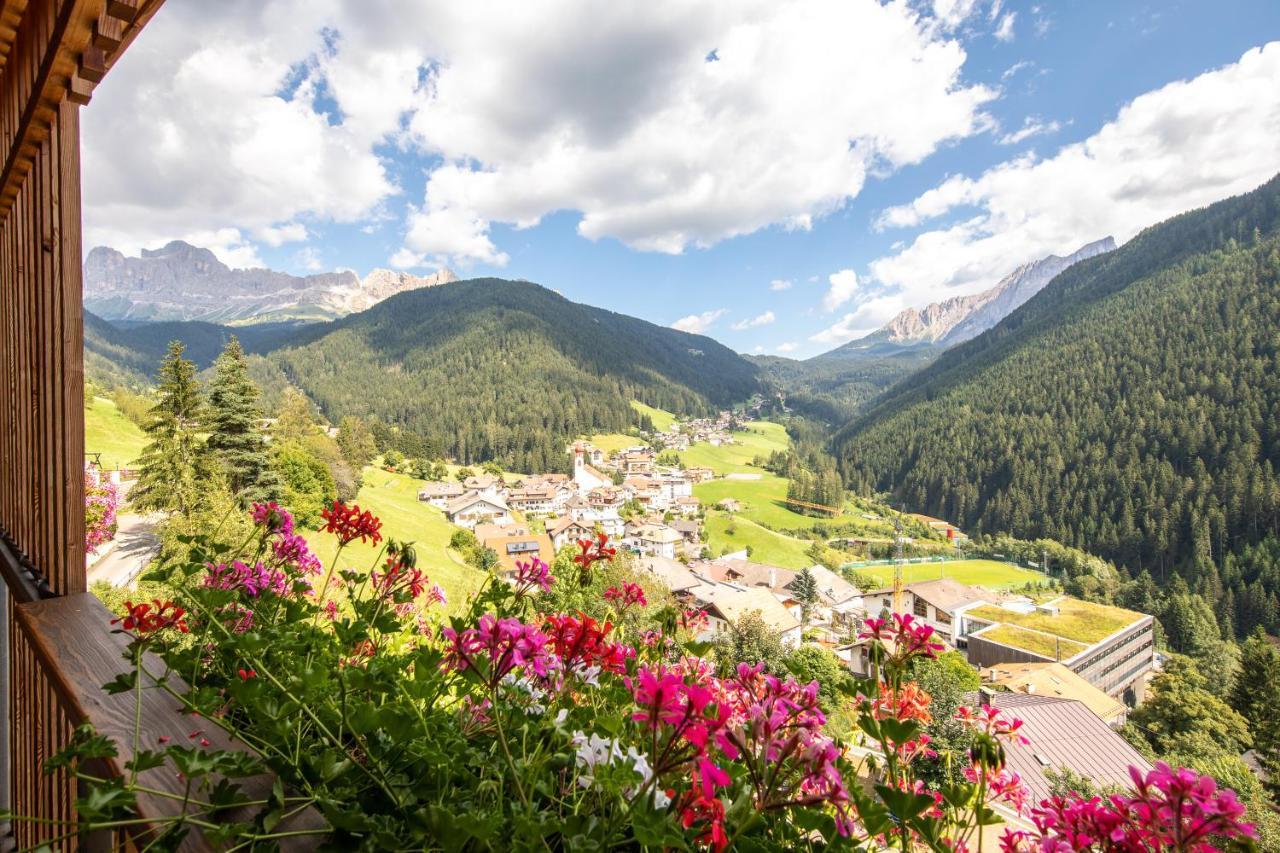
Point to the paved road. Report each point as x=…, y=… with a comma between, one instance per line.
x=136, y=542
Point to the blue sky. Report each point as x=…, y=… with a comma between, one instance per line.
x=819, y=172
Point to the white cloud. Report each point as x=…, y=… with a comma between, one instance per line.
x=789, y=346
x=758, y=349
x=754, y=322
x=1031, y=126
x=215, y=118
x=869, y=316
x=699, y=324
x=309, y=259
x=780, y=284
x=620, y=117
x=1004, y=31
x=275, y=236
x=1179, y=147
x=952, y=13
x=843, y=286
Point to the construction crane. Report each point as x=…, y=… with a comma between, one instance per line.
x=831, y=509
x=897, y=566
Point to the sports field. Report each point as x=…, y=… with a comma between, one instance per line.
x=992, y=574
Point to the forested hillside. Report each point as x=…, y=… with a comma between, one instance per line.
x=478, y=370
x=1132, y=408
x=832, y=387
x=506, y=370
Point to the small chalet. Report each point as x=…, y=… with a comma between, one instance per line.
x=439, y=494
x=474, y=508
x=567, y=530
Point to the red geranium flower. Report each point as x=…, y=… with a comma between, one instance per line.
x=144, y=618
x=349, y=523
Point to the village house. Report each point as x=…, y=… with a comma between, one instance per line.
x=487, y=485
x=609, y=497
x=519, y=547
x=567, y=530
x=729, y=505
x=687, y=506
x=439, y=494
x=840, y=604
x=656, y=540
x=676, y=576
x=591, y=454
x=607, y=521
x=935, y=602
x=645, y=492
x=699, y=474
x=473, y=508
x=726, y=604
x=534, y=499
x=636, y=461
x=690, y=531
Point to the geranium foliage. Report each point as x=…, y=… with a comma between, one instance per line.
x=506, y=727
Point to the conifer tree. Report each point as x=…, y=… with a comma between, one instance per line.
x=805, y=589
x=1257, y=697
x=173, y=465
x=235, y=437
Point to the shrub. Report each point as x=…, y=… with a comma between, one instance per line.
x=512, y=727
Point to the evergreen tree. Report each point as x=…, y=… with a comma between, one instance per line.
x=805, y=589
x=296, y=418
x=1257, y=698
x=235, y=436
x=173, y=465
x=357, y=441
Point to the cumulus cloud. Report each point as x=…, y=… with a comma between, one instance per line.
x=789, y=346
x=1173, y=149
x=843, y=285
x=622, y=118
x=1031, y=126
x=754, y=322
x=269, y=115
x=699, y=324
x=216, y=119
x=869, y=316
x=780, y=284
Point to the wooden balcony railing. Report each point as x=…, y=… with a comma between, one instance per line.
x=62, y=651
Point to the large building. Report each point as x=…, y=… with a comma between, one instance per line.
x=1111, y=648
x=934, y=602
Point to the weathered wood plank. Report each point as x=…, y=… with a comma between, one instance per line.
x=69, y=636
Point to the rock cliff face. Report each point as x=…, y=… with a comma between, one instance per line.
x=960, y=318
x=1016, y=288
x=185, y=282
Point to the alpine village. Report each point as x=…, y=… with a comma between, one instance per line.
x=985, y=557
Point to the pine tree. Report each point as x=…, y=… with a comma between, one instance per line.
x=235, y=436
x=174, y=464
x=805, y=589
x=1257, y=698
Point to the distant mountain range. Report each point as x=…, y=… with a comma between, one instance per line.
x=185, y=282
x=961, y=318
x=835, y=385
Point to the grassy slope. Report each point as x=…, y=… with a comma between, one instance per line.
x=394, y=499
x=766, y=545
x=612, y=442
x=661, y=419
x=760, y=438
x=108, y=432
x=989, y=573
